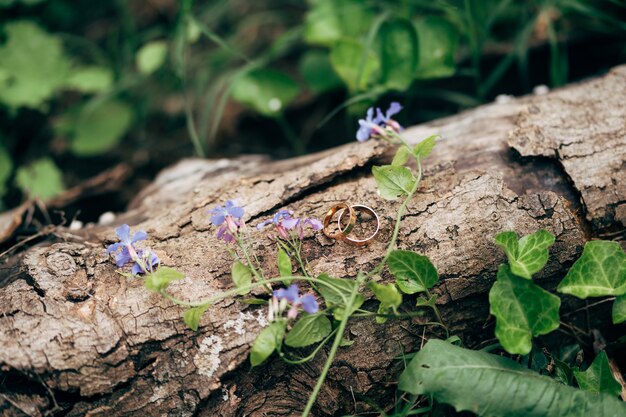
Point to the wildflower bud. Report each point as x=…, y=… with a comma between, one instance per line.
x=293, y=312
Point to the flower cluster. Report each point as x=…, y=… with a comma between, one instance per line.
x=375, y=126
x=285, y=296
x=145, y=260
x=229, y=218
x=285, y=223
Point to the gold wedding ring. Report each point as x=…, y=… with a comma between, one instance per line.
x=342, y=232
x=361, y=209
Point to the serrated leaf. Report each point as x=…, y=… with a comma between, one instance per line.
x=413, y=272
x=522, y=310
x=600, y=271
x=192, y=316
x=98, y=129
x=346, y=56
x=393, y=181
x=318, y=73
x=90, y=79
x=398, y=53
x=336, y=292
x=491, y=385
x=267, y=91
x=619, y=309
x=33, y=64
x=425, y=147
x=438, y=42
x=151, y=57
x=598, y=377
x=310, y=329
x=41, y=179
x=527, y=255
x=284, y=263
x=242, y=276
x=389, y=297
x=267, y=341
x=401, y=157
x=330, y=20
x=161, y=278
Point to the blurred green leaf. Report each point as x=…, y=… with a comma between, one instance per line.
x=389, y=297
x=161, y=278
x=90, y=79
x=425, y=147
x=242, y=276
x=330, y=20
x=267, y=341
x=318, y=73
x=398, y=53
x=32, y=65
x=6, y=167
x=192, y=316
x=267, y=91
x=598, y=377
x=151, y=56
x=284, y=264
x=401, y=157
x=438, y=42
x=310, y=329
x=8, y=3
x=345, y=57
x=96, y=130
x=619, y=309
x=41, y=179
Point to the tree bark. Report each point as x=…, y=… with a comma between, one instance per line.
x=78, y=339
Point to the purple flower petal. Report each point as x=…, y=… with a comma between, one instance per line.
x=290, y=223
x=309, y=304
x=394, y=108
x=140, y=235
x=114, y=247
x=123, y=257
x=236, y=212
x=263, y=224
x=281, y=215
x=218, y=219
x=221, y=232
x=314, y=223
x=136, y=270
x=123, y=233
x=291, y=294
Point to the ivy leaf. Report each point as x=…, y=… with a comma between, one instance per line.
x=563, y=372
x=619, y=309
x=33, y=65
x=398, y=53
x=336, y=292
x=267, y=341
x=401, y=157
x=242, y=276
x=284, y=264
x=389, y=297
x=529, y=254
x=192, y=316
x=425, y=147
x=90, y=79
x=393, y=181
x=266, y=91
x=329, y=20
x=438, y=42
x=346, y=56
x=414, y=273
x=310, y=329
x=41, y=179
x=318, y=73
x=151, y=56
x=491, y=385
x=600, y=271
x=161, y=278
x=522, y=310
x=598, y=377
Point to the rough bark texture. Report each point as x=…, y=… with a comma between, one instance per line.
x=79, y=339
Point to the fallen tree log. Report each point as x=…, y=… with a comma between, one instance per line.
x=79, y=339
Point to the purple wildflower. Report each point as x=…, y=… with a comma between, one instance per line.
x=290, y=295
x=126, y=242
x=371, y=126
x=148, y=260
x=229, y=218
x=285, y=223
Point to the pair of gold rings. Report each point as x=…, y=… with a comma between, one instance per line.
x=344, y=229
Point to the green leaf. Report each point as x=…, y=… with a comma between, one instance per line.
x=427, y=302
x=98, y=129
x=619, y=310
x=529, y=254
x=393, y=181
x=266, y=91
x=267, y=341
x=318, y=73
x=6, y=167
x=90, y=79
x=398, y=53
x=346, y=57
x=151, y=56
x=330, y=20
x=33, y=66
x=600, y=271
x=491, y=385
x=438, y=42
x=41, y=179
x=598, y=377
x=310, y=329
x=192, y=316
x=425, y=147
x=563, y=372
x=414, y=273
x=284, y=263
x=336, y=292
x=242, y=276
x=522, y=310
x=389, y=297
x=161, y=278
x=401, y=157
